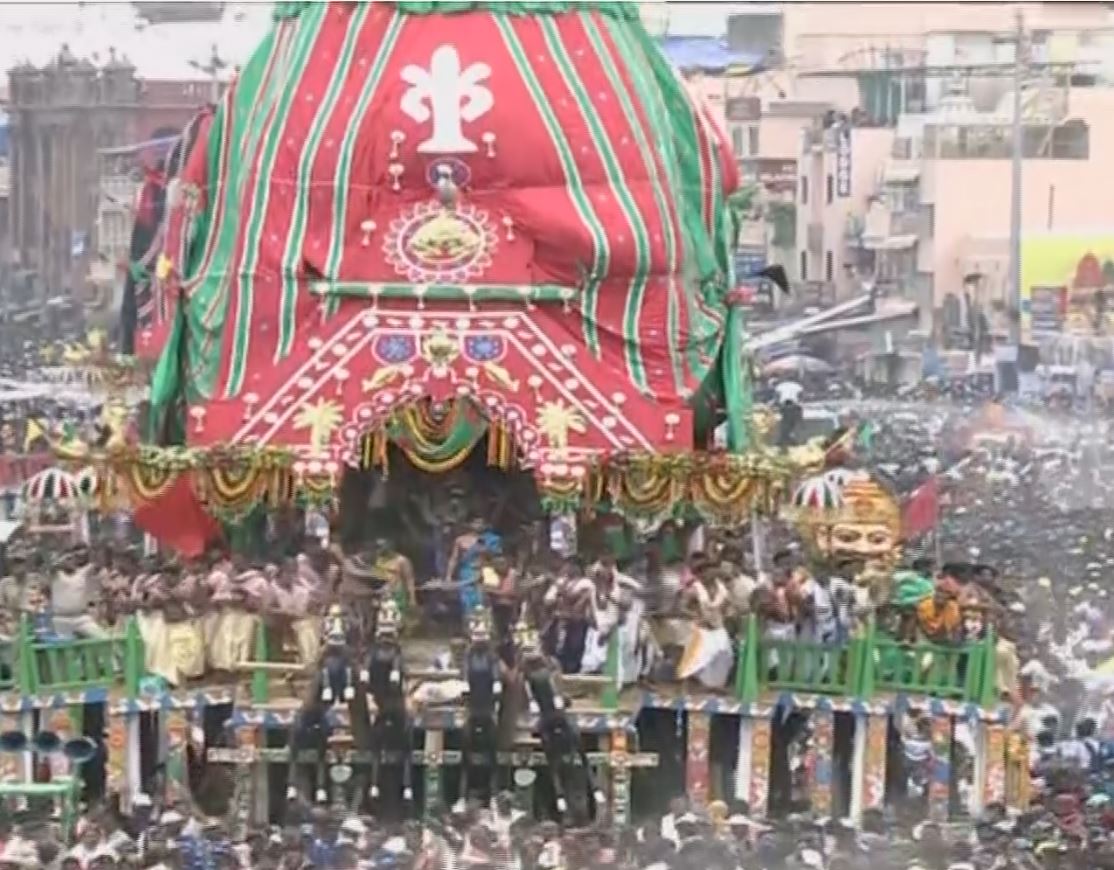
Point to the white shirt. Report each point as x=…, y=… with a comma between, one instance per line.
x=1031, y=717
x=788, y=391
x=1079, y=753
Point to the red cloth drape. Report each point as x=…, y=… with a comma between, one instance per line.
x=177, y=520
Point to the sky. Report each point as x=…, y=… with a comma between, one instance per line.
x=34, y=31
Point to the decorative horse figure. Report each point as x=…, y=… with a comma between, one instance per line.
x=332, y=684
x=567, y=761
x=483, y=671
x=385, y=679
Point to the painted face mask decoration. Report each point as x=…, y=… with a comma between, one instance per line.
x=479, y=626
x=850, y=517
x=389, y=620
x=335, y=627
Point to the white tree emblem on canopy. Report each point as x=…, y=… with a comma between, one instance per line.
x=448, y=95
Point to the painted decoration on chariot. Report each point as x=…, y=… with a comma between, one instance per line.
x=848, y=514
x=116, y=748
x=823, y=746
x=397, y=203
x=697, y=759
x=939, y=787
x=432, y=244
x=874, y=776
x=620, y=778
x=760, y=765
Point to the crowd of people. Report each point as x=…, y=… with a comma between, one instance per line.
x=1022, y=552
x=1068, y=829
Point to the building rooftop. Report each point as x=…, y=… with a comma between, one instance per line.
x=706, y=53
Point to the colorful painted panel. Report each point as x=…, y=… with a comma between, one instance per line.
x=697, y=759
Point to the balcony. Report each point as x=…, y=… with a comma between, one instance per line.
x=911, y=223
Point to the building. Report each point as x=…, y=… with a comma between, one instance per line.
x=136, y=71
x=939, y=228
x=897, y=118
x=62, y=116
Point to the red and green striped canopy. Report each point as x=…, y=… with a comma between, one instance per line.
x=517, y=204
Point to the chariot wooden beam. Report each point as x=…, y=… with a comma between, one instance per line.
x=447, y=758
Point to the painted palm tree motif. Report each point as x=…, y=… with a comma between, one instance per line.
x=556, y=420
x=321, y=419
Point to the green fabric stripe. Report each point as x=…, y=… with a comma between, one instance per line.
x=344, y=159
x=206, y=290
x=620, y=9
x=471, y=293
x=720, y=216
x=618, y=86
x=689, y=214
x=309, y=28
x=617, y=180
x=708, y=291
x=296, y=234
x=601, y=255
x=207, y=327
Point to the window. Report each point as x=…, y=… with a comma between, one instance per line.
x=829, y=188
x=737, y=141
x=1071, y=141
x=829, y=267
x=744, y=140
x=804, y=190
x=804, y=265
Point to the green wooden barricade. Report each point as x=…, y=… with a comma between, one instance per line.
x=798, y=666
x=44, y=667
x=928, y=669
x=865, y=666
x=7, y=665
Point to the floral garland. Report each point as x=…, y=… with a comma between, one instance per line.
x=721, y=488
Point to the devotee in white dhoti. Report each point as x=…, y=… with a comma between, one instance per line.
x=709, y=654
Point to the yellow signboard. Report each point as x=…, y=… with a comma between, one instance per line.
x=1076, y=267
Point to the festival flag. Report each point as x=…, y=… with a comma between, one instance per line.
x=35, y=432
x=921, y=509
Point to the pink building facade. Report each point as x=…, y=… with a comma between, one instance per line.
x=893, y=188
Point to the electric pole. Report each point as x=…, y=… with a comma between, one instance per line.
x=1019, y=323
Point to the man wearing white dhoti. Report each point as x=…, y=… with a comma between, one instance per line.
x=709, y=654
x=240, y=602
x=290, y=599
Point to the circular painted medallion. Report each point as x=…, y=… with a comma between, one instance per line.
x=431, y=244
x=455, y=169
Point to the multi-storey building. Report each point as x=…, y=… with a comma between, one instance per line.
x=895, y=121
